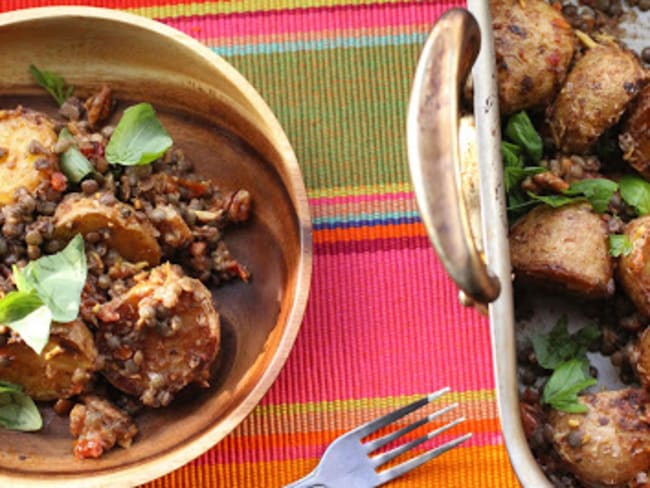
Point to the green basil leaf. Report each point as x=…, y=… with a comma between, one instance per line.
x=58, y=280
x=620, y=245
x=75, y=165
x=139, y=137
x=17, y=410
x=635, y=191
x=559, y=345
x=53, y=83
x=568, y=379
x=555, y=201
x=598, y=191
x=34, y=328
x=511, y=155
x=18, y=304
x=520, y=130
x=555, y=347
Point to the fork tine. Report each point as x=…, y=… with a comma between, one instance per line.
x=375, y=444
x=374, y=425
x=406, y=466
x=384, y=457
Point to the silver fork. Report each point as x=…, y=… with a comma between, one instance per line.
x=348, y=463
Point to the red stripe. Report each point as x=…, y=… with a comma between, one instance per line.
x=371, y=245
x=369, y=329
x=309, y=20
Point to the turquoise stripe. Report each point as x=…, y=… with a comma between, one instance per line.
x=321, y=45
x=365, y=217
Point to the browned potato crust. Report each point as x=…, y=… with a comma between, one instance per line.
x=159, y=336
x=566, y=246
x=534, y=45
x=641, y=358
x=609, y=444
x=635, y=136
x=634, y=268
x=62, y=370
x=594, y=96
x=133, y=238
x=23, y=135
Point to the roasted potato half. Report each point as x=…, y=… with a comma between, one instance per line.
x=641, y=358
x=634, y=268
x=159, y=336
x=607, y=446
x=594, y=96
x=132, y=237
x=635, y=136
x=63, y=369
x=534, y=45
x=565, y=246
x=25, y=137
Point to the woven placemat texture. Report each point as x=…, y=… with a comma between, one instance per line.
x=383, y=325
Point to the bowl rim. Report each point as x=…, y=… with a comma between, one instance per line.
x=169, y=461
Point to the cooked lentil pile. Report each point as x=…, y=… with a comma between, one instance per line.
x=149, y=243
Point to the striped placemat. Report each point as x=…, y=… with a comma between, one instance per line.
x=383, y=325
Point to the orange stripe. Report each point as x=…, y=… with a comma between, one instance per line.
x=464, y=467
x=326, y=436
x=369, y=232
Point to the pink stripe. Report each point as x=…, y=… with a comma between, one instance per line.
x=248, y=451
x=361, y=198
x=368, y=330
x=309, y=20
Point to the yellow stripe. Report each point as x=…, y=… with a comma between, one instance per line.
x=353, y=404
x=347, y=191
x=481, y=412
x=230, y=7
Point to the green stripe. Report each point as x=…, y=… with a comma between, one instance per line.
x=347, y=126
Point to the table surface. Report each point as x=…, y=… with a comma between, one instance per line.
x=383, y=325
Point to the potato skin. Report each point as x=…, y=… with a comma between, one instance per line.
x=18, y=128
x=640, y=358
x=566, y=246
x=634, y=139
x=634, y=268
x=534, y=46
x=609, y=444
x=133, y=238
x=594, y=96
x=148, y=356
x=62, y=370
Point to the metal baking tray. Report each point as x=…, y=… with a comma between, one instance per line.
x=457, y=175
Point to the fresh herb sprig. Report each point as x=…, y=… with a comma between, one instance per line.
x=635, y=191
x=620, y=245
x=566, y=355
x=73, y=163
x=53, y=83
x=562, y=388
x=49, y=289
x=520, y=130
x=597, y=191
x=139, y=138
x=17, y=410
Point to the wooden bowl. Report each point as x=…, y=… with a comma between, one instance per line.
x=230, y=134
